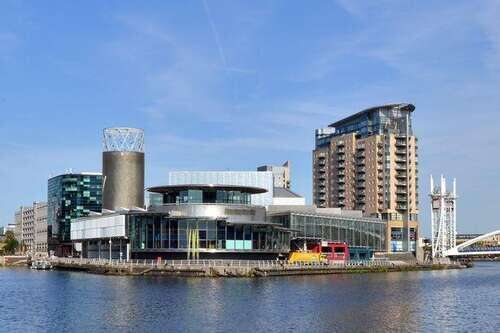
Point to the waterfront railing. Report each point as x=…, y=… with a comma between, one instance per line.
x=207, y=263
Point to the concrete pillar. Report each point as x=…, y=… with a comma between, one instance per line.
x=128, y=251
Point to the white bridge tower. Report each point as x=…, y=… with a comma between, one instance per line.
x=443, y=217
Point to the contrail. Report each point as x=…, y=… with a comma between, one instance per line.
x=216, y=36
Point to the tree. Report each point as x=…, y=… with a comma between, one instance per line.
x=11, y=243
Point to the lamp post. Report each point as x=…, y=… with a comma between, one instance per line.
x=110, y=246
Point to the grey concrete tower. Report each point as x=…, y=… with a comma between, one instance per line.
x=123, y=168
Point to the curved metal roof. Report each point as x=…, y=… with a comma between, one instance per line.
x=177, y=188
x=404, y=106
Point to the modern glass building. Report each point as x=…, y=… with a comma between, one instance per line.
x=70, y=196
x=214, y=221
x=261, y=179
x=353, y=230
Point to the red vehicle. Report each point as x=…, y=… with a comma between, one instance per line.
x=332, y=251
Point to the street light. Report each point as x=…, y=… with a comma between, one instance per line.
x=110, y=245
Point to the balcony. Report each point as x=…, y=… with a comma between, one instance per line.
x=400, y=143
x=361, y=177
x=341, y=165
x=401, y=175
x=400, y=167
x=341, y=180
x=361, y=169
x=401, y=198
x=360, y=185
x=402, y=207
x=341, y=172
x=360, y=206
x=400, y=151
x=360, y=153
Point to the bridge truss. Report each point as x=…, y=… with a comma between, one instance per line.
x=465, y=249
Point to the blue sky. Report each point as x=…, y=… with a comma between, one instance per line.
x=232, y=85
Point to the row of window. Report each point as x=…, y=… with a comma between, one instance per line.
x=207, y=196
x=156, y=232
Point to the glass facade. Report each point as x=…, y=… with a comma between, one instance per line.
x=156, y=232
x=382, y=120
x=397, y=239
x=353, y=231
x=262, y=179
x=212, y=196
x=388, y=119
x=71, y=196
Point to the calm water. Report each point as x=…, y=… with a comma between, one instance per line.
x=457, y=300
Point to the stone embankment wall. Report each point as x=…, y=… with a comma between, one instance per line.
x=239, y=269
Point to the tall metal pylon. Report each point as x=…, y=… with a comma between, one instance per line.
x=443, y=218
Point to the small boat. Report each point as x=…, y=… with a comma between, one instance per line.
x=41, y=265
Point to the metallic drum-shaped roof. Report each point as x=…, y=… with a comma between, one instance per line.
x=177, y=188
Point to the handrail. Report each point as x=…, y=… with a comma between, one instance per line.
x=205, y=263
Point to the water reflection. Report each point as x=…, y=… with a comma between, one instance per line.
x=412, y=301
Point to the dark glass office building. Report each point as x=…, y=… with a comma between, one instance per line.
x=70, y=196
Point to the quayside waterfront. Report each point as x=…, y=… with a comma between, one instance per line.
x=446, y=300
x=238, y=268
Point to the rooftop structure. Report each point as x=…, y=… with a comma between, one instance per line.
x=281, y=174
x=261, y=179
x=283, y=196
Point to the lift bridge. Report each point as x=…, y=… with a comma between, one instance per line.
x=469, y=248
x=444, y=230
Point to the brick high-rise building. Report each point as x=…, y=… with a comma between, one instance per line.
x=369, y=162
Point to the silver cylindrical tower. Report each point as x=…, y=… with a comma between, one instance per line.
x=123, y=168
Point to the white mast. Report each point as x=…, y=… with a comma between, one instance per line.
x=443, y=218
